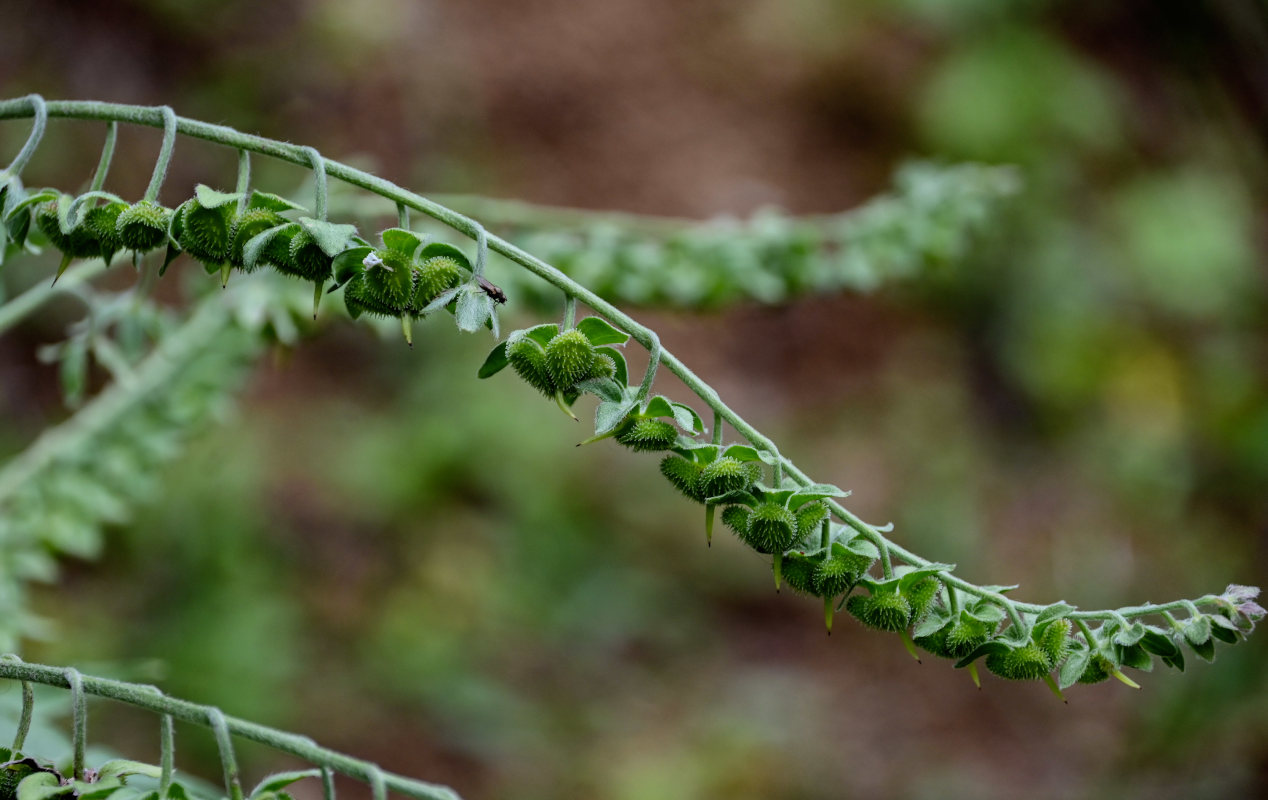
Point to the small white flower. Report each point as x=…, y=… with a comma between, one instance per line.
x=372, y=260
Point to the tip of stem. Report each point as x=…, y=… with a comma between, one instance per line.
x=911, y=647
x=1126, y=680
x=1056, y=690
x=563, y=406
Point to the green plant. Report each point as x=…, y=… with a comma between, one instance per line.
x=814, y=542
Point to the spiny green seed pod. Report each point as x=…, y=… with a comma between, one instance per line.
x=810, y=517
x=435, y=275
x=143, y=226
x=798, y=571
x=964, y=636
x=835, y=573
x=884, y=611
x=569, y=357
x=643, y=434
x=920, y=595
x=102, y=222
x=736, y=518
x=956, y=639
x=247, y=226
x=1098, y=669
x=361, y=299
x=724, y=475
x=79, y=243
x=391, y=279
x=1055, y=640
x=529, y=362
x=603, y=367
x=206, y=233
x=771, y=528
x=684, y=475
x=1026, y=663
x=307, y=259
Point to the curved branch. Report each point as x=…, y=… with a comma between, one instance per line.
x=151, y=698
x=302, y=156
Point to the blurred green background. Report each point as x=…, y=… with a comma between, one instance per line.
x=408, y=564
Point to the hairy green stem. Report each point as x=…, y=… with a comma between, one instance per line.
x=38, y=110
x=169, y=120
x=244, y=178
x=107, y=156
x=318, y=165
x=20, y=108
x=28, y=708
x=147, y=697
x=570, y=313
x=79, y=719
x=327, y=783
x=167, y=754
x=228, y=760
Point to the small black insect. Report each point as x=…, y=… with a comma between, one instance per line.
x=492, y=291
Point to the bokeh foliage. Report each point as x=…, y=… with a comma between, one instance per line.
x=1083, y=407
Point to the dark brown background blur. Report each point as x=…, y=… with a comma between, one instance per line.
x=407, y=564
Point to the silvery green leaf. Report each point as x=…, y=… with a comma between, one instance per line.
x=1130, y=635
x=281, y=780
x=331, y=237
x=609, y=414
x=255, y=247
x=1055, y=611
x=121, y=768
x=474, y=309
x=441, y=300
x=1074, y=665
x=687, y=418
x=210, y=198
x=401, y=240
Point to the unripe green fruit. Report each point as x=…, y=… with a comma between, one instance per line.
x=955, y=640
x=685, y=476
x=247, y=226
x=1026, y=663
x=736, y=518
x=798, y=571
x=391, y=280
x=143, y=226
x=643, y=434
x=437, y=274
x=810, y=517
x=920, y=595
x=361, y=299
x=724, y=475
x=884, y=611
x=529, y=362
x=771, y=528
x=206, y=233
x=307, y=259
x=569, y=357
x=101, y=221
x=79, y=243
x=836, y=573
x=1055, y=641
x=603, y=367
